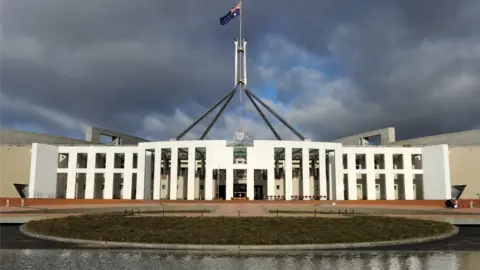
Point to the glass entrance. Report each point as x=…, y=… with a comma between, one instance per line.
x=258, y=193
x=239, y=190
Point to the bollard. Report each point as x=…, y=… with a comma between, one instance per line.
x=471, y=204
x=8, y=203
x=315, y=211
x=23, y=203
x=277, y=212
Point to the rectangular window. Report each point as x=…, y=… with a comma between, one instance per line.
x=278, y=187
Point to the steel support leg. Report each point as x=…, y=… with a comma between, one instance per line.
x=218, y=114
x=205, y=114
x=276, y=115
x=263, y=116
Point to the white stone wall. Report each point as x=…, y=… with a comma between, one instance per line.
x=43, y=176
x=381, y=180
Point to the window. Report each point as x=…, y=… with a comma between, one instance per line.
x=278, y=187
x=201, y=187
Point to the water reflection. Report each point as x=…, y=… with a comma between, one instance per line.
x=111, y=259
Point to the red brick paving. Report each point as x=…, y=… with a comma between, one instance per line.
x=85, y=202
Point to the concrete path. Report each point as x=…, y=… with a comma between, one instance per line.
x=456, y=216
x=243, y=210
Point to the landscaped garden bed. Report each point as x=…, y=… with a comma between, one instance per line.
x=237, y=230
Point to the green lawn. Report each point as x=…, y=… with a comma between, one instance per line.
x=237, y=231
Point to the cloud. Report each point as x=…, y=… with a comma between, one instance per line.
x=20, y=108
x=331, y=69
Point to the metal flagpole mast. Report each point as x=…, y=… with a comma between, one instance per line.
x=241, y=49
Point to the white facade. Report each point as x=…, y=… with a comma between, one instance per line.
x=267, y=170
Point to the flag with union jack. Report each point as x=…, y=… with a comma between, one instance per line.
x=234, y=12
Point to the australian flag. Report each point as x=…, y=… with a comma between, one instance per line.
x=234, y=12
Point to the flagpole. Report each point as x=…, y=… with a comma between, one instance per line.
x=241, y=47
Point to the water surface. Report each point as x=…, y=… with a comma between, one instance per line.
x=121, y=259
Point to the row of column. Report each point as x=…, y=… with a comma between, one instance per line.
x=142, y=186
x=143, y=183
x=351, y=171
x=336, y=176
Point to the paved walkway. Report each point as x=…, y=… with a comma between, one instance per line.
x=23, y=214
x=229, y=208
x=252, y=210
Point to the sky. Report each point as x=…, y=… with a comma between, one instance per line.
x=151, y=67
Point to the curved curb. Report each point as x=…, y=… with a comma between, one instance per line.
x=235, y=248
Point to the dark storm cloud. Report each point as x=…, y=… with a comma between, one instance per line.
x=98, y=59
x=118, y=63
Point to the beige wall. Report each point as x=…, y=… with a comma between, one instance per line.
x=14, y=169
x=465, y=170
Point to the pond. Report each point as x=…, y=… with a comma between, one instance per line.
x=122, y=259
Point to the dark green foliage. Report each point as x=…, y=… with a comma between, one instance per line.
x=237, y=231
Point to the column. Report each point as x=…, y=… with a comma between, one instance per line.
x=72, y=175
x=322, y=174
x=208, y=182
x=408, y=175
x=141, y=174
x=108, y=176
x=157, y=170
x=250, y=184
x=352, y=177
x=306, y=173
x=288, y=173
x=271, y=181
x=173, y=173
x=191, y=174
x=338, y=173
x=127, y=177
x=148, y=176
x=389, y=181
x=90, y=176
x=370, y=164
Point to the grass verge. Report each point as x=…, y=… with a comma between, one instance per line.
x=237, y=231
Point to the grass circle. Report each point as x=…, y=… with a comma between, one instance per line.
x=238, y=230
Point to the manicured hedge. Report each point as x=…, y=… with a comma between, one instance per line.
x=238, y=230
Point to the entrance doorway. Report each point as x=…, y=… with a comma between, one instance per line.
x=359, y=192
x=222, y=192
x=239, y=190
x=378, y=193
x=258, y=193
